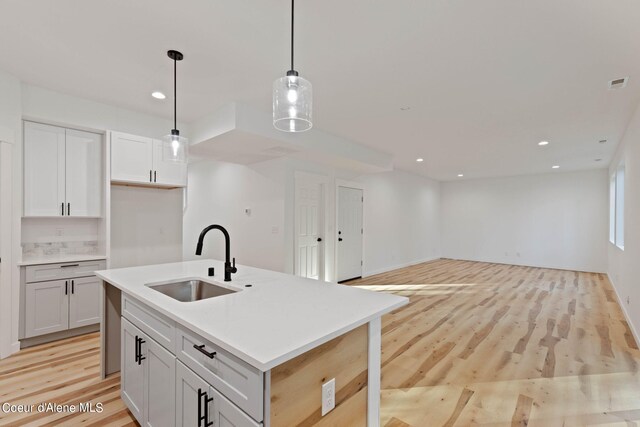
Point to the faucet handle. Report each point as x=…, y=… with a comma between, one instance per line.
x=233, y=267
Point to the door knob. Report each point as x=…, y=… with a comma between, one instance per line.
x=319, y=239
x=339, y=239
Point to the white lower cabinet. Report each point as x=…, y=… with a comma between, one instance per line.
x=148, y=375
x=46, y=307
x=84, y=301
x=161, y=390
x=199, y=404
x=131, y=370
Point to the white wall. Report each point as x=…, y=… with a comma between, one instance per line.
x=401, y=220
x=398, y=207
x=146, y=226
x=624, y=265
x=219, y=192
x=556, y=220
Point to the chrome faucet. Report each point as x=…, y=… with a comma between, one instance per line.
x=228, y=268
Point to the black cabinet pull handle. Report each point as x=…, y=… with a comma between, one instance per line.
x=319, y=239
x=201, y=349
x=62, y=208
x=339, y=239
x=69, y=265
x=201, y=417
x=66, y=287
x=140, y=356
x=150, y=175
x=68, y=208
x=137, y=350
x=207, y=400
x=73, y=286
x=155, y=175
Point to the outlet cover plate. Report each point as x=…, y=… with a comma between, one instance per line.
x=328, y=396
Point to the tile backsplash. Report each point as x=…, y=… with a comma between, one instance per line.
x=59, y=248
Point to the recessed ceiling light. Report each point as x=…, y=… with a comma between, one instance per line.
x=158, y=95
x=543, y=143
x=405, y=108
x=460, y=175
x=555, y=167
x=419, y=159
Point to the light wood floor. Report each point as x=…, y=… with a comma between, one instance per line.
x=478, y=344
x=497, y=344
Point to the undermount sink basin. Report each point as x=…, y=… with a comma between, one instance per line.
x=191, y=290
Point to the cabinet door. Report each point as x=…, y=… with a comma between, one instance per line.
x=189, y=403
x=224, y=413
x=160, y=385
x=83, y=183
x=167, y=172
x=131, y=158
x=46, y=307
x=131, y=373
x=84, y=301
x=44, y=166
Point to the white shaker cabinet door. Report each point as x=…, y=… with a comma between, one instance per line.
x=46, y=307
x=160, y=385
x=167, y=172
x=131, y=158
x=131, y=372
x=83, y=186
x=190, y=399
x=224, y=413
x=44, y=170
x=84, y=301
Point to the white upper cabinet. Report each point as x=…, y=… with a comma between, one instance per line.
x=44, y=172
x=131, y=158
x=62, y=172
x=83, y=183
x=139, y=160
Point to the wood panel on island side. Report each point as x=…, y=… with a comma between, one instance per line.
x=479, y=343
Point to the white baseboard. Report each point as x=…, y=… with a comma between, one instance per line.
x=634, y=332
x=395, y=267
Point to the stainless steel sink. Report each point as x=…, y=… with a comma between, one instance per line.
x=191, y=290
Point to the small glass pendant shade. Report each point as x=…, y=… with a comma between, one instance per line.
x=292, y=101
x=174, y=147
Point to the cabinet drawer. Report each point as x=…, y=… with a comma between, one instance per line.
x=157, y=326
x=66, y=270
x=240, y=382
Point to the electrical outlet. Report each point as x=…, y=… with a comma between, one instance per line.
x=328, y=396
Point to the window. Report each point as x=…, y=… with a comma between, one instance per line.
x=612, y=209
x=616, y=207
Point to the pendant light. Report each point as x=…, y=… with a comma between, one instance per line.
x=175, y=146
x=292, y=98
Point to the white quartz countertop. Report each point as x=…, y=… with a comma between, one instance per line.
x=56, y=259
x=280, y=317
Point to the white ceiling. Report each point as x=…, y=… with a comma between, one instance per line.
x=484, y=80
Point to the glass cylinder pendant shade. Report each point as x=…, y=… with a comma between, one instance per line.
x=174, y=147
x=292, y=101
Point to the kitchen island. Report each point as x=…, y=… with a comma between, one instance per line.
x=264, y=353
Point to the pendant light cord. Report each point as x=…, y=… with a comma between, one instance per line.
x=175, y=94
x=292, y=34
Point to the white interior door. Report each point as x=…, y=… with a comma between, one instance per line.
x=83, y=173
x=349, y=245
x=44, y=167
x=309, y=223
